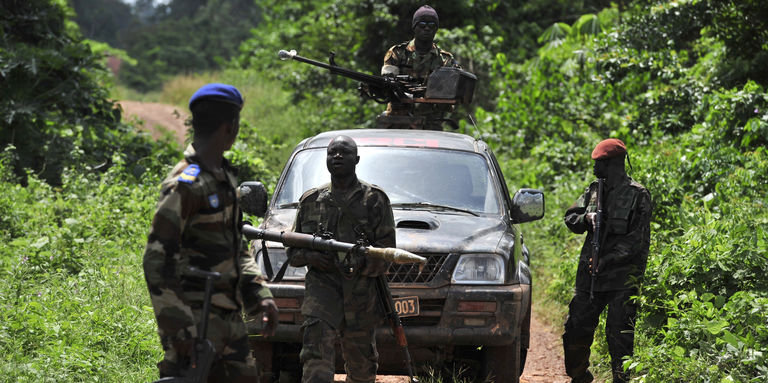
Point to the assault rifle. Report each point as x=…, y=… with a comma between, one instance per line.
x=445, y=85
x=385, y=297
x=204, y=353
x=596, y=238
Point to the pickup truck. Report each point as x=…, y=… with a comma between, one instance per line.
x=470, y=305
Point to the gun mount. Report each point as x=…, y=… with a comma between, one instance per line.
x=445, y=85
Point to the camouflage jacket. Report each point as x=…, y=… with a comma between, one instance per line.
x=626, y=234
x=197, y=223
x=332, y=296
x=403, y=59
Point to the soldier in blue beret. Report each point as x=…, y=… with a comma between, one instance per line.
x=197, y=223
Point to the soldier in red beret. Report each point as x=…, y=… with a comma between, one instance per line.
x=618, y=236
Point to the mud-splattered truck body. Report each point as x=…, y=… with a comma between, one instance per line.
x=471, y=302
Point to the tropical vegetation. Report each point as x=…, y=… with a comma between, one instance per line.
x=682, y=82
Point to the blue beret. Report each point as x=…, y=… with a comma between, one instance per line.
x=218, y=92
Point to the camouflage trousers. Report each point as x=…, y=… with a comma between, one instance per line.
x=234, y=361
x=358, y=347
x=583, y=317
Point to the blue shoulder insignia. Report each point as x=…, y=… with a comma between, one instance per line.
x=189, y=175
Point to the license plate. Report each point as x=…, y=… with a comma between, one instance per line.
x=406, y=306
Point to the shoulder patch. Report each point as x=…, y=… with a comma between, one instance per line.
x=189, y=175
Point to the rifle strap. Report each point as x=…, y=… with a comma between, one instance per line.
x=268, y=265
x=281, y=272
x=267, y=262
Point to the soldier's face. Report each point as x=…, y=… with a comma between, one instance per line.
x=425, y=29
x=232, y=132
x=608, y=168
x=599, y=168
x=342, y=158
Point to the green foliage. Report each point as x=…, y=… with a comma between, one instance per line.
x=54, y=110
x=74, y=305
x=697, y=142
x=360, y=32
x=720, y=339
x=103, y=20
x=186, y=37
x=681, y=82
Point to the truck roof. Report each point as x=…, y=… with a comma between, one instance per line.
x=399, y=138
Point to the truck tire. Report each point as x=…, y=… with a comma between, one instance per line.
x=502, y=363
x=525, y=338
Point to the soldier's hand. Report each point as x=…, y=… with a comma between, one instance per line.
x=269, y=317
x=374, y=267
x=185, y=348
x=321, y=261
x=600, y=265
x=590, y=218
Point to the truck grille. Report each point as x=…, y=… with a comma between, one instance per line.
x=409, y=273
x=431, y=311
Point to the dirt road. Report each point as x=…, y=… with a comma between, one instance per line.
x=158, y=119
x=544, y=364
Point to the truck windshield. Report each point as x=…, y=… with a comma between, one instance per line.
x=412, y=178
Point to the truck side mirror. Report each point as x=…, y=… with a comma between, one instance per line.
x=252, y=196
x=527, y=205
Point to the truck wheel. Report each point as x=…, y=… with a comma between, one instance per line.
x=502, y=363
x=525, y=338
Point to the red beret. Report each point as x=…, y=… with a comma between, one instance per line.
x=612, y=147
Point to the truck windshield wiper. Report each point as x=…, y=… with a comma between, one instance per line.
x=429, y=205
x=291, y=205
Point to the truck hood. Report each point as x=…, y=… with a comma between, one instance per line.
x=426, y=231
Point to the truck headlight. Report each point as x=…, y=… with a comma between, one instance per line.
x=277, y=257
x=479, y=269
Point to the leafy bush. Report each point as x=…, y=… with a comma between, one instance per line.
x=699, y=147
x=55, y=112
x=183, y=37
x=75, y=306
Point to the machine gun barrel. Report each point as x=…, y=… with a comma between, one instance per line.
x=308, y=241
x=335, y=69
x=379, y=88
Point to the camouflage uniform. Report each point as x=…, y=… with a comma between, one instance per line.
x=624, y=252
x=197, y=223
x=403, y=59
x=336, y=303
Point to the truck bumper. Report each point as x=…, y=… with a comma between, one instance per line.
x=449, y=315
